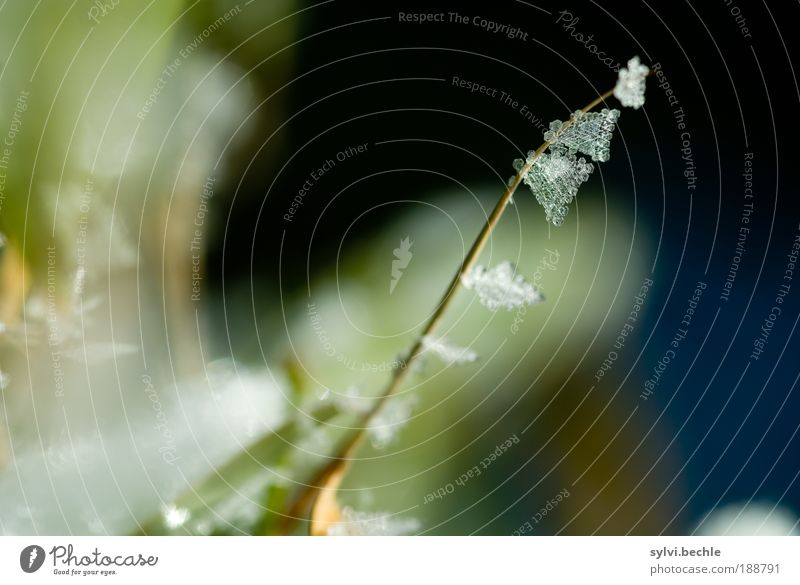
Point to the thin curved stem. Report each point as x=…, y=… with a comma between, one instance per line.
x=322, y=489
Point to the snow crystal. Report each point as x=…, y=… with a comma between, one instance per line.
x=448, y=352
x=554, y=179
x=174, y=517
x=587, y=132
x=390, y=419
x=500, y=287
x=749, y=519
x=356, y=523
x=351, y=400
x=631, y=84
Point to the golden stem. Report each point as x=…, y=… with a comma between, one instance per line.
x=320, y=494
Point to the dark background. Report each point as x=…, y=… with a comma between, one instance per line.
x=357, y=80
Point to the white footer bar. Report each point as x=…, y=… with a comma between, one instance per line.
x=388, y=560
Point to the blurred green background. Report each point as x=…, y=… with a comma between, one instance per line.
x=178, y=357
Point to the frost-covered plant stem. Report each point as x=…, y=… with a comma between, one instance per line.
x=320, y=494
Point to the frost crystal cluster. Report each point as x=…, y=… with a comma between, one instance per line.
x=556, y=175
x=390, y=419
x=174, y=517
x=448, y=352
x=554, y=179
x=631, y=84
x=356, y=523
x=351, y=400
x=500, y=287
x=587, y=132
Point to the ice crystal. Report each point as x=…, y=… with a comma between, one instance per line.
x=631, y=84
x=390, y=419
x=356, y=523
x=95, y=525
x=501, y=287
x=351, y=400
x=448, y=352
x=587, y=132
x=554, y=179
x=749, y=519
x=174, y=517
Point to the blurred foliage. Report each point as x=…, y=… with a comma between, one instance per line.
x=528, y=377
x=154, y=434
x=130, y=112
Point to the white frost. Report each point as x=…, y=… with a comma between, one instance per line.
x=390, y=419
x=355, y=523
x=554, y=179
x=448, y=352
x=750, y=519
x=500, y=287
x=631, y=84
x=587, y=132
x=174, y=517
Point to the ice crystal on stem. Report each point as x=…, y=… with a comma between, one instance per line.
x=355, y=523
x=554, y=174
x=588, y=132
x=351, y=400
x=174, y=517
x=448, y=352
x=501, y=287
x=631, y=84
x=554, y=179
x=390, y=419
